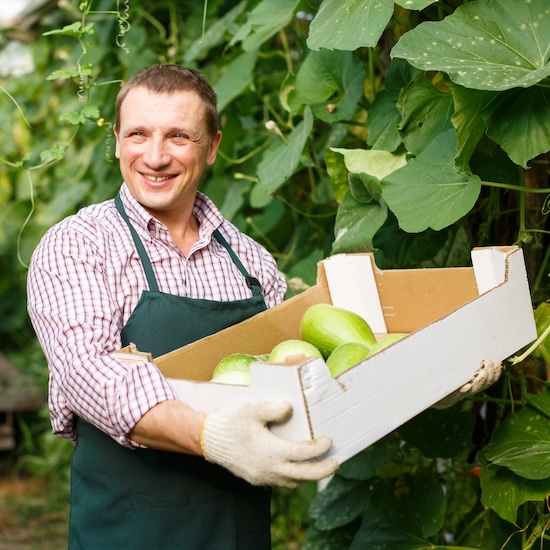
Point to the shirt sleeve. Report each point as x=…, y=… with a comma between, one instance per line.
x=78, y=325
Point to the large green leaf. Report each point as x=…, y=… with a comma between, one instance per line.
x=415, y=4
x=214, y=35
x=236, y=78
x=338, y=173
x=383, y=123
x=469, y=108
x=266, y=19
x=486, y=44
x=522, y=442
x=504, y=491
x=331, y=83
x=426, y=114
x=356, y=224
x=416, y=507
x=429, y=191
x=369, y=161
x=519, y=121
x=542, y=320
x=440, y=433
x=397, y=248
x=349, y=24
x=67, y=197
x=378, y=533
x=364, y=464
x=339, y=503
x=334, y=539
x=280, y=161
x=352, y=24
x=384, y=117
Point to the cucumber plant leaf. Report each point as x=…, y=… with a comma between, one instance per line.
x=522, y=442
x=542, y=320
x=415, y=508
x=339, y=503
x=369, y=161
x=519, y=121
x=237, y=76
x=384, y=117
x=426, y=113
x=429, y=191
x=383, y=123
x=338, y=173
x=468, y=118
x=397, y=248
x=281, y=159
x=356, y=224
x=439, y=433
x=266, y=19
x=349, y=24
x=486, y=44
x=331, y=83
x=214, y=35
x=352, y=24
x=504, y=491
x=365, y=464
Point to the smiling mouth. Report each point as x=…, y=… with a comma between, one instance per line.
x=157, y=179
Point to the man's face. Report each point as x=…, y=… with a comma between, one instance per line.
x=163, y=146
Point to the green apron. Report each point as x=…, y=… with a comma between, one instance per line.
x=137, y=499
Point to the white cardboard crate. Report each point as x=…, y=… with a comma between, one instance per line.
x=454, y=318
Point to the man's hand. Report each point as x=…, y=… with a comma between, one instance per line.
x=239, y=439
x=486, y=375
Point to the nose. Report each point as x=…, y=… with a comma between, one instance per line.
x=156, y=154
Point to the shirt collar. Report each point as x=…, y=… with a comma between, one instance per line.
x=204, y=210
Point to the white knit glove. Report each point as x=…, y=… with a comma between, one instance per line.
x=239, y=439
x=486, y=375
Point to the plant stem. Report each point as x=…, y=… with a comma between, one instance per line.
x=516, y=187
x=532, y=347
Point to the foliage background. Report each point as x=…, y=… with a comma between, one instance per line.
x=417, y=130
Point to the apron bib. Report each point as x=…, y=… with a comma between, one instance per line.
x=146, y=499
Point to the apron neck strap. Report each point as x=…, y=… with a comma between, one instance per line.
x=252, y=282
x=147, y=267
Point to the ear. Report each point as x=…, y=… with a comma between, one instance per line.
x=117, y=145
x=213, y=148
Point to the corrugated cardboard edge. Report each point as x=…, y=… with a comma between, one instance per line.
x=369, y=385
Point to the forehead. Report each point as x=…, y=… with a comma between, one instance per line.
x=143, y=106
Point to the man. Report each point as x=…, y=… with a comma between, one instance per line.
x=159, y=267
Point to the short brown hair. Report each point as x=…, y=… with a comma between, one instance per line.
x=168, y=78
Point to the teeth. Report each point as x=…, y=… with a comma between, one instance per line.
x=158, y=178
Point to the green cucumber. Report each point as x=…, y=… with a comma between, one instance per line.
x=346, y=356
x=234, y=369
x=327, y=326
x=385, y=342
x=293, y=351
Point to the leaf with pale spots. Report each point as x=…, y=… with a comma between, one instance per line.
x=522, y=442
x=485, y=45
x=505, y=492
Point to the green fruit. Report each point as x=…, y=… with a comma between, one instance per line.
x=233, y=377
x=234, y=369
x=385, y=342
x=289, y=349
x=346, y=356
x=326, y=327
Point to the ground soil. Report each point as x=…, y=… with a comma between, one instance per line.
x=28, y=519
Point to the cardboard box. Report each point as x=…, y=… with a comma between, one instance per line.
x=454, y=318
